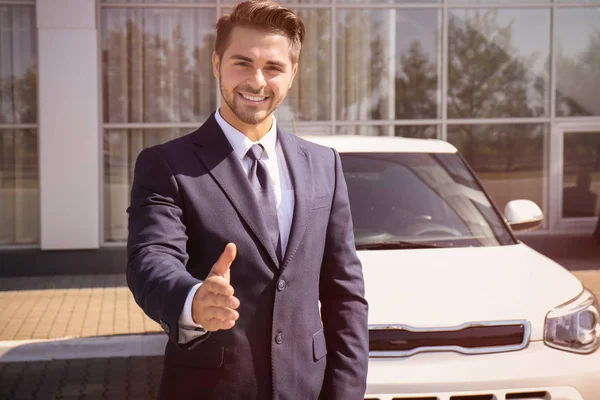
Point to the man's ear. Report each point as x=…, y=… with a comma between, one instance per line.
x=216, y=64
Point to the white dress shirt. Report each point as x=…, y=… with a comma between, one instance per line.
x=284, y=198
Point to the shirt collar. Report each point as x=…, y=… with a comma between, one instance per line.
x=241, y=143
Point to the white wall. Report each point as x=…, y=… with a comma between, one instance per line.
x=69, y=124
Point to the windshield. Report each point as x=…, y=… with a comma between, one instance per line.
x=417, y=200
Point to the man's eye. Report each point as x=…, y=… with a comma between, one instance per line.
x=242, y=64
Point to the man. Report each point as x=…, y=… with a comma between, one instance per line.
x=238, y=230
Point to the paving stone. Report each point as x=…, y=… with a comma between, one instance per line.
x=89, y=379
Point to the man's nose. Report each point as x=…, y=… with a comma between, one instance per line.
x=257, y=79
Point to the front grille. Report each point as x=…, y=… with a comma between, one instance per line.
x=415, y=398
x=528, y=395
x=474, y=337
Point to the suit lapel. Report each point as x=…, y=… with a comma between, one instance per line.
x=215, y=152
x=299, y=166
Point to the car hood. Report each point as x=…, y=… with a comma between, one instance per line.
x=433, y=288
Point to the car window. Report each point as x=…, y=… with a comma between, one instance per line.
x=418, y=198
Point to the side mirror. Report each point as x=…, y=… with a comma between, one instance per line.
x=523, y=215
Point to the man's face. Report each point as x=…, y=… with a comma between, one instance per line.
x=255, y=74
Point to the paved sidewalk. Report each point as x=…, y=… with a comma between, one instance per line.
x=72, y=337
x=121, y=378
x=47, y=307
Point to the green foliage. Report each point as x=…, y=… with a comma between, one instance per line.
x=151, y=78
x=578, y=81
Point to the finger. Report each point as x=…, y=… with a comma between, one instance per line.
x=216, y=285
x=219, y=300
x=217, y=324
x=222, y=265
x=222, y=313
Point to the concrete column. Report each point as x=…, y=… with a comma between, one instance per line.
x=69, y=124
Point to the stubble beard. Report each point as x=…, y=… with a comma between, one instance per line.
x=247, y=117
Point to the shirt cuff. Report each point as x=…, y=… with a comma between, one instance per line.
x=188, y=329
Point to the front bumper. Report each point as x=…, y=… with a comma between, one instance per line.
x=499, y=376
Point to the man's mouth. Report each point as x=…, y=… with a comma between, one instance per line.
x=256, y=99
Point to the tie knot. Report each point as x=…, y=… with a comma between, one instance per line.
x=256, y=152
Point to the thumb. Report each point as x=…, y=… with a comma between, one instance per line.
x=221, y=267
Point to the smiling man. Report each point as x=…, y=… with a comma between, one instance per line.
x=239, y=230
x=251, y=93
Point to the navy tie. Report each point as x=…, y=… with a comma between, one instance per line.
x=263, y=189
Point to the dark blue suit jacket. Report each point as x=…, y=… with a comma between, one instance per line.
x=190, y=197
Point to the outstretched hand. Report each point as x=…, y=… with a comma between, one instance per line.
x=214, y=305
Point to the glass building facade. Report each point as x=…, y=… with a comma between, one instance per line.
x=19, y=182
x=512, y=84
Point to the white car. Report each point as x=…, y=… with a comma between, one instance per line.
x=459, y=309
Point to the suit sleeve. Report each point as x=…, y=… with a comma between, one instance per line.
x=156, y=246
x=343, y=305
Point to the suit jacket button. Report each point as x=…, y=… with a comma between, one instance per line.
x=279, y=338
x=281, y=285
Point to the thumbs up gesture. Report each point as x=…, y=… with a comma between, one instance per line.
x=214, y=305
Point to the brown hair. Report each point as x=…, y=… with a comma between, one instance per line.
x=266, y=15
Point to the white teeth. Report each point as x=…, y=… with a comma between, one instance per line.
x=252, y=98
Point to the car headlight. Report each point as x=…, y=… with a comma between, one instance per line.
x=575, y=325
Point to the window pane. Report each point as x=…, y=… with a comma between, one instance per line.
x=388, y=64
x=507, y=2
x=18, y=65
x=389, y=1
x=225, y=10
x=285, y=2
x=581, y=174
x=310, y=96
x=498, y=63
x=159, y=1
x=509, y=159
x=413, y=131
x=303, y=130
x=578, y=62
x=156, y=64
x=121, y=148
x=19, y=187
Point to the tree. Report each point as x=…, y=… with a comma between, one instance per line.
x=416, y=86
x=489, y=79
x=19, y=148
x=148, y=77
x=19, y=97
x=356, y=41
x=578, y=81
x=486, y=76
x=310, y=96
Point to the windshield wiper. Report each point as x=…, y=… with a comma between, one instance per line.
x=398, y=245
